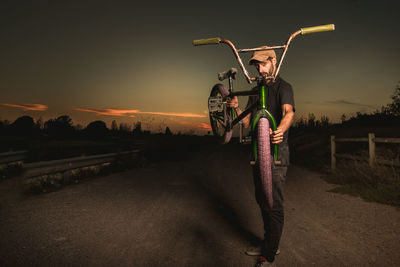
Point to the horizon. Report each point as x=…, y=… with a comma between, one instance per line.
x=135, y=61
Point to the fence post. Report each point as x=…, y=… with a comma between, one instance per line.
x=333, y=152
x=371, y=143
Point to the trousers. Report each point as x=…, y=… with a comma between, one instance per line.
x=273, y=219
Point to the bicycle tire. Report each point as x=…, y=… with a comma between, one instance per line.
x=217, y=126
x=264, y=159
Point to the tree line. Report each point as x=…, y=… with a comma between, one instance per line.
x=63, y=126
x=387, y=115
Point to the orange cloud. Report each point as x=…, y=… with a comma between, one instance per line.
x=111, y=111
x=132, y=112
x=204, y=126
x=37, y=107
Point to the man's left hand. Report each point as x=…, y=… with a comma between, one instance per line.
x=276, y=136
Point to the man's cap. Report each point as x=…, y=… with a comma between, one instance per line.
x=262, y=56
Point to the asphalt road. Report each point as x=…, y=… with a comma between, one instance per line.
x=195, y=212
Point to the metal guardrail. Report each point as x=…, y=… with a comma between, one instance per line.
x=53, y=166
x=47, y=167
x=371, y=141
x=13, y=156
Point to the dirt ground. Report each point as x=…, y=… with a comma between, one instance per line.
x=195, y=212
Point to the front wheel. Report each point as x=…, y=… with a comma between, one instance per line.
x=220, y=115
x=264, y=161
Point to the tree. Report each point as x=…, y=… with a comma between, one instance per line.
x=96, y=129
x=138, y=128
x=168, y=131
x=311, y=120
x=59, y=127
x=114, y=126
x=23, y=126
x=324, y=121
x=343, y=118
x=394, y=107
x=39, y=123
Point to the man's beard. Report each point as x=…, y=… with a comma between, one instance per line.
x=270, y=73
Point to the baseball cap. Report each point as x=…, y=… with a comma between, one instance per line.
x=262, y=56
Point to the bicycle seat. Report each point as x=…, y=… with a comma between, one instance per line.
x=226, y=74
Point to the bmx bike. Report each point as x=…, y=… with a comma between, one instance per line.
x=222, y=118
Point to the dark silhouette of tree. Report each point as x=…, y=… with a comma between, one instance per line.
x=343, y=118
x=311, y=120
x=23, y=126
x=59, y=127
x=124, y=127
x=96, y=129
x=168, y=131
x=114, y=126
x=394, y=107
x=138, y=128
x=324, y=121
x=39, y=124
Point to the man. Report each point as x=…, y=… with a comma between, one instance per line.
x=280, y=102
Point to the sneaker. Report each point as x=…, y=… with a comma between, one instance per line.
x=256, y=251
x=262, y=262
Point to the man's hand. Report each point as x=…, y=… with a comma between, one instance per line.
x=232, y=102
x=276, y=136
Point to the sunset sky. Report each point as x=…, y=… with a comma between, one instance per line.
x=134, y=61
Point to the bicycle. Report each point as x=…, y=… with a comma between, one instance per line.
x=222, y=119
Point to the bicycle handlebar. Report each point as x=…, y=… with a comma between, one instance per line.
x=302, y=31
x=208, y=41
x=321, y=28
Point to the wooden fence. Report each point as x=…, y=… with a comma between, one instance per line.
x=372, y=140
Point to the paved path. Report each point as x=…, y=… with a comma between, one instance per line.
x=191, y=213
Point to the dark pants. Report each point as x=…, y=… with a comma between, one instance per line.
x=273, y=219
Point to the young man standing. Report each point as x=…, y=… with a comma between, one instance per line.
x=280, y=102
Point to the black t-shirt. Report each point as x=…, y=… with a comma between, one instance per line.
x=278, y=93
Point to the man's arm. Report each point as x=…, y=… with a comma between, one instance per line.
x=234, y=103
x=286, y=122
x=245, y=120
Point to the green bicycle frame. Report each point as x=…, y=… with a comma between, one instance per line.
x=262, y=112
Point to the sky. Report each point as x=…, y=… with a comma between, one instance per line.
x=133, y=61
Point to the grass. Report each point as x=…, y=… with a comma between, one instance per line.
x=378, y=184
x=55, y=181
x=311, y=149
x=11, y=170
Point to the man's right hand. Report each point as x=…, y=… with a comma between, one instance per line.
x=232, y=102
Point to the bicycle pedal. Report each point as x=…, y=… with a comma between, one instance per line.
x=252, y=163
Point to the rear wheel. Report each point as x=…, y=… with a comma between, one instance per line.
x=220, y=116
x=264, y=161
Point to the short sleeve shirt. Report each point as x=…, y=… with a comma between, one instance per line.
x=278, y=93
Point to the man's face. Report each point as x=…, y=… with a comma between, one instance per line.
x=266, y=68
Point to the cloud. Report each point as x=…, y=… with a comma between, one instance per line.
x=346, y=102
x=204, y=126
x=111, y=111
x=36, y=107
x=133, y=112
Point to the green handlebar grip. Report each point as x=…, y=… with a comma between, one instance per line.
x=208, y=41
x=321, y=28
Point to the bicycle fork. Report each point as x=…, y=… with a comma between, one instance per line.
x=264, y=113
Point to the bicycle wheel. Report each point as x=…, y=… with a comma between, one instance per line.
x=264, y=161
x=219, y=114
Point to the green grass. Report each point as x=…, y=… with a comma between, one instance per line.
x=311, y=149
